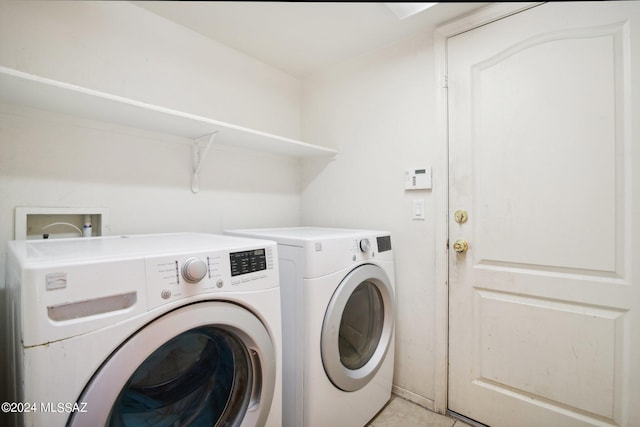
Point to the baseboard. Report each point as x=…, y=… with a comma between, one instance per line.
x=413, y=397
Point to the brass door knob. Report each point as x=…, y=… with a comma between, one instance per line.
x=461, y=246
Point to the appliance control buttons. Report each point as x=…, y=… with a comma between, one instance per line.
x=220, y=283
x=365, y=245
x=194, y=270
x=165, y=294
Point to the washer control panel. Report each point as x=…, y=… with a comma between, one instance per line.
x=171, y=278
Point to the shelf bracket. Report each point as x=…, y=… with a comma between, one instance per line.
x=199, y=154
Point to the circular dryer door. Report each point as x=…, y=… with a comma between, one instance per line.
x=205, y=364
x=358, y=327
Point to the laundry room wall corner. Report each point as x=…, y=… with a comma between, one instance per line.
x=378, y=110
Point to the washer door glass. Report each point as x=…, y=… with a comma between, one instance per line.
x=357, y=328
x=205, y=364
x=199, y=378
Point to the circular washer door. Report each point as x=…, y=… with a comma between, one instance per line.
x=205, y=364
x=357, y=328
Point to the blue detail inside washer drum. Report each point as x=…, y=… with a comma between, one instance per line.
x=201, y=377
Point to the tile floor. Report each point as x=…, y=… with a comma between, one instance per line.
x=402, y=413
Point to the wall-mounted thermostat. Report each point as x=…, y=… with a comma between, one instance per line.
x=417, y=179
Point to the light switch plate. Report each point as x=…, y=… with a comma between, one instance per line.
x=418, y=209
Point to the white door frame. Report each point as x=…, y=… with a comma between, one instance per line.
x=484, y=16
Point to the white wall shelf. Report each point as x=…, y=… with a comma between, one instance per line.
x=17, y=87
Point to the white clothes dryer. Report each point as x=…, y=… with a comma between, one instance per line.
x=337, y=289
x=162, y=330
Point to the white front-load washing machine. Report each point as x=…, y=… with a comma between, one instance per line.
x=166, y=330
x=337, y=288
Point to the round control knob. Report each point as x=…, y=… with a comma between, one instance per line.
x=194, y=270
x=365, y=245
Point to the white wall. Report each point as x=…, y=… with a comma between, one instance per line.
x=141, y=177
x=378, y=110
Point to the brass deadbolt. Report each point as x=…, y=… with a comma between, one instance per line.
x=461, y=216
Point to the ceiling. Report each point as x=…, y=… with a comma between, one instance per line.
x=303, y=37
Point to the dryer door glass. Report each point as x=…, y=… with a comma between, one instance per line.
x=361, y=326
x=199, y=378
x=357, y=327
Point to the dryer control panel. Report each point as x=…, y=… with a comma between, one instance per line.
x=171, y=278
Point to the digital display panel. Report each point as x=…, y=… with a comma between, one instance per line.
x=384, y=243
x=248, y=261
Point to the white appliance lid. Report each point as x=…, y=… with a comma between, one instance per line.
x=301, y=235
x=130, y=246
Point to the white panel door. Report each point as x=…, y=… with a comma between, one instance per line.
x=544, y=140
